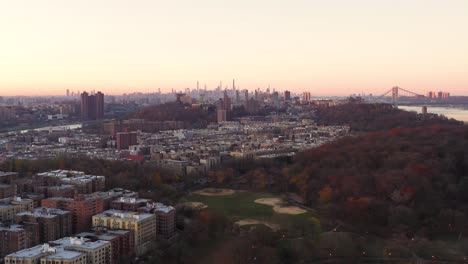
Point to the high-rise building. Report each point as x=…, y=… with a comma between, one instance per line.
x=221, y=115
x=126, y=139
x=84, y=106
x=226, y=102
x=122, y=241
x=99, y=97
x=97, y=252
x=165, y=218
x=287, y=95
x=16, y=237
x=306, y=97
x=47, y=254
x=83, y=207
x=143, y=226
x=92, y=106
x=52, y=223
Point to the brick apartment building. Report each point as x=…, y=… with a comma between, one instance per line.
x=9, y=207
x=45, y=254
x=16, y=237
x=84, y=206
x=52, y=223
x=7, y=184
x=165, y=215
x=82, y=182
x=165, y=218
x=122, y=241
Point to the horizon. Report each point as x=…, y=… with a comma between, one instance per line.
x=333, y=48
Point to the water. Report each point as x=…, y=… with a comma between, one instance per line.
x=455, y=113
x=61, y=127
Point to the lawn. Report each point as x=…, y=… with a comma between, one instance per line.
x=241, y=205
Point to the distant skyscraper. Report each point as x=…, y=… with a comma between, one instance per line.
x=221, y=115
x=226, y=102
x=287, y=95
x=306, y=96
x=68, y=92
x=92, y=106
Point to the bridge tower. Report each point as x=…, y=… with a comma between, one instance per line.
x=395, y=96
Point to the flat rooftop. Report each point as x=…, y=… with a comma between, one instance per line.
x=129, y=216
x=80, y=242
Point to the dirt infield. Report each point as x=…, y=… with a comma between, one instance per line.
x=245, y=222
x=214, y=192
x=195, y=205
x=279, y=207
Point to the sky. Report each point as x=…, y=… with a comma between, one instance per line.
x=332, y=47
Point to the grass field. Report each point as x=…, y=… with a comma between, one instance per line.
x=241, y=205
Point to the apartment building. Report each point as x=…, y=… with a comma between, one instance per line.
x=143, y=225
x=52, y=223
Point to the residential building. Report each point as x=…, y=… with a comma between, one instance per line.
x=97, y=252
x=9, y=207
x=221, y=115
x=122, y=241
x=46, y=254
x=52, y=223
x=126, y=139
x=143, y=225
x=165, y=218
x=92, y=106
x=128, y=203
x=16, y=237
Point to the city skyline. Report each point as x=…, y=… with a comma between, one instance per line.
x=326, y=48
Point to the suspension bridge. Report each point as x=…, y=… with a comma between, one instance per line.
x=396, y=93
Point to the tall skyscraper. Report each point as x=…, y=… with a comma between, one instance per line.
x=306, y=97
x=287, y=95
x=92, y=106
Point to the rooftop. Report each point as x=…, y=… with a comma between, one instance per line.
x=79, y=242
x=44, y=212
x=131, y=200
x=119, y=214
x=159, y=207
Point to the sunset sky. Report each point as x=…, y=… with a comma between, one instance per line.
x=327, y=47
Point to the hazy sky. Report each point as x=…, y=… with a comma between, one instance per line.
x=327, y=47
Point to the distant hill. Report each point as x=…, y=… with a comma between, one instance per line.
x=376, y=117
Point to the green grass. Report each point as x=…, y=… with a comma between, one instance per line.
x=241, y=205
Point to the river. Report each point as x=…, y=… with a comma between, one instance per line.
x=455, y=113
